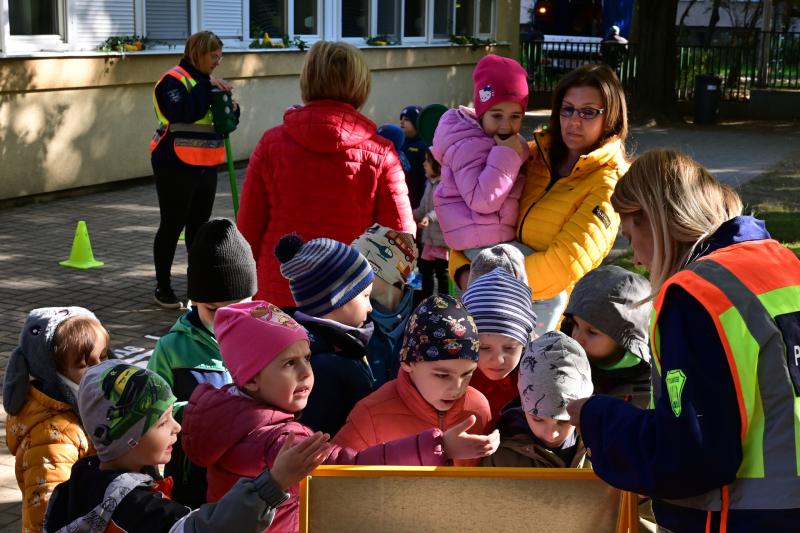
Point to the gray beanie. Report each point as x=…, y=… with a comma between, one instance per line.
x=34, y=358
x=118, y=403
x=606, y=298
x=500, y=303
x=502, y=256
x=553, y=371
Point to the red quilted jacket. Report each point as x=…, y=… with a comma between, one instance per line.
x=324, y=172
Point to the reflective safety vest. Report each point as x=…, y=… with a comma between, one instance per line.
x=751, y=290
x=201, y=150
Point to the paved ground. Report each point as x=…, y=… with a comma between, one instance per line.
x=122, y=224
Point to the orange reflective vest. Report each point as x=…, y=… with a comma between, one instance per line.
x=203, y=146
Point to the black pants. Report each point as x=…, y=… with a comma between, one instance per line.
x=185, y=199
x=429, y=270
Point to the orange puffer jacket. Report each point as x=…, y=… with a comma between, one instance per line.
x=324, y=172
x=47, y=439
x=398, y=410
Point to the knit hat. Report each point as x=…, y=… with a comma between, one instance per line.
x=440, y=328
x=221, y=264
x=391, y=253
x=503, y=256
x=500, y=303
x=411, y=112
x=323, y=274
x=606, y=298
x=34, y=358
x=394, y=133
x=118, y=403
x=251, y=335
x=554, y=370
x=497, y=80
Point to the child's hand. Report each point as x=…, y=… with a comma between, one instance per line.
x=293, y=463
x=516, y=143
x=458, y=444
x=574, y=410
x=424, y=222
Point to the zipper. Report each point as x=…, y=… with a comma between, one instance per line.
x=547, y=163
x=441, y=420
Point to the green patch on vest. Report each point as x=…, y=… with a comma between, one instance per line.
x=675, y=379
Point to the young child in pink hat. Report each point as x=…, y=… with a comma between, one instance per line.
x=481, y=152
x=237, y=431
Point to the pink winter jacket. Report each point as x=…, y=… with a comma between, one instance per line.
x=477, y=200
x=234, y=436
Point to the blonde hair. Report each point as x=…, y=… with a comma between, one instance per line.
x=615, y=116
x=682, y=201
x=75, y=339
x=200, y=43
x=335, y=71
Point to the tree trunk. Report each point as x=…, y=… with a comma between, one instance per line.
x=712, y=21
x=654, y=94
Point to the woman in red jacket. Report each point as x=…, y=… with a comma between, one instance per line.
x=324, y=172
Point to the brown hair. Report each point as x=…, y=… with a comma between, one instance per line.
x=615, y=117
x=335, y=71
x=682, y=201
x=75, y=339
x=200, y=43
x=437, y=168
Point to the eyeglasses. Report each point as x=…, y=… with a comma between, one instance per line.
x=586, y=113
x=216, y=58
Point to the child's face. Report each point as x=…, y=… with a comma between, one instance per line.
x=599, y=347
x=426, y=165
x=441, y=383
x=500, y=355
x=581, y=135
x=208, y=310
x=77, y=368
x=408, y=128
x=155, y=446
x=286, y=381
x=551, y=432
x=354, y=313
x=503, y=119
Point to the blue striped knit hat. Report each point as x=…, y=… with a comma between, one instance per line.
x=501, y=304
x=323, y=274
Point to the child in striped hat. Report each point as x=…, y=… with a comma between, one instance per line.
x=331, y=284
x=502, y=309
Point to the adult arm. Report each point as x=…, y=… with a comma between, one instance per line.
x=392, y=206
x=178, y=104
x=254, y=209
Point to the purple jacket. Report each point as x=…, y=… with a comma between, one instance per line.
x=478, y=198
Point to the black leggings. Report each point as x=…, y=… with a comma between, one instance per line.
x=185, y=200
x=436, y=268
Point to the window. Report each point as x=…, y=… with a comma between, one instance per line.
x=388, y=18
x=268, y=16
x=33, y=17
x=414, y=18
x=443, y=18
x=167, y=19
x=305, y=17
x=485, y=17
x=465, y=17
x=355, y=18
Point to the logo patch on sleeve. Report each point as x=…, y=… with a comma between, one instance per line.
x=599, y=213
x=675, y=380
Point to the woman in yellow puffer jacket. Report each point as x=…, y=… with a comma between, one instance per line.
x=565, y=212
x=43, y=430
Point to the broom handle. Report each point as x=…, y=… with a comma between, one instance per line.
x=232, y=174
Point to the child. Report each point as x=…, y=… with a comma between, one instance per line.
x=535, y=432
x=221, y=272
x=397, y=136
x=414, y=149
x=128, y=412
x=606, y=316
x=502, y=256
x=502, y=309
x=331, y=284
x=237, y=430
x=439, y=355
x=481, y=153
x=44, y=432
x=392, y=255
x=433, y=263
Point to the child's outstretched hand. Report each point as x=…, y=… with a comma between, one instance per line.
x=515, y=142
x=458, y=444
x=294, y=462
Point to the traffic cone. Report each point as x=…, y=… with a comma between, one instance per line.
x=81, y=255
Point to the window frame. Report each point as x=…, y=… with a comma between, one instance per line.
x=34, y=43
x=492, y=19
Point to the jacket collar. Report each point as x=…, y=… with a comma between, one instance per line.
x=331, y=336
x=196, y=74
x=328, y=126
x=736, y=230
x=610, y=154
x=411, y=397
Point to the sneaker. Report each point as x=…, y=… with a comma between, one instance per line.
x=166, y=299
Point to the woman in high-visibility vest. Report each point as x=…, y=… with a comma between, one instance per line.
x=718, y=450
x=185, y=152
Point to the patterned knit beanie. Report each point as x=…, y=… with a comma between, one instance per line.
x=501, y=304
x=440, y=328
x=221, y=264
x=323, y=274
x=391, y=253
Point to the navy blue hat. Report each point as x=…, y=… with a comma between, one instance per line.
x=411, y=112
x=394, y=133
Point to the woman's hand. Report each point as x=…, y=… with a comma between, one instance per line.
x=221, y=84
x=294, y=462
x=424, y=222
x=574, y=409
x=516, y=143
x=458, y=444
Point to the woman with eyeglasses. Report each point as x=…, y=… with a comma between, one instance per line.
x=185, y=152
x=565, y=213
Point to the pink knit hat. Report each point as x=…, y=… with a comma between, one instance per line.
x=497, y=80
x=251, y=335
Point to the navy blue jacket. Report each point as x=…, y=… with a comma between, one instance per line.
x=655, y=453
x=414, y=150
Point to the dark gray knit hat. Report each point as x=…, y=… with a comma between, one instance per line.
x=503, y=256
x=500, y=303
x=606, y=298
x=221, y=264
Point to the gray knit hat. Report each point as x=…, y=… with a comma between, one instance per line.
x=34, y=358
x=118, y=403
x=500, y=303
x=606, y=298
x=503, y=256
x=553, y=371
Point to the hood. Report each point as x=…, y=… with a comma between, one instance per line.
x=456, y=125
x=329, y=126
x=393, y=323
x=736, y=230
x=38, y=408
